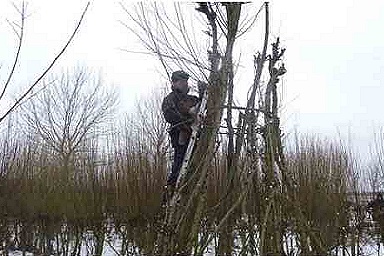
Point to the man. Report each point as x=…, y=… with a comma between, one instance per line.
x=178, y=110
x=376, y=207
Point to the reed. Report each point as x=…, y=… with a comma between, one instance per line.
x=320, y=169
x=109, y=197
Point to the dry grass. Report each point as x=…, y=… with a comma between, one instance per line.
x=117, y=194
x=320, y=169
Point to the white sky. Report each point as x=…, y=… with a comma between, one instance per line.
x=334, y=58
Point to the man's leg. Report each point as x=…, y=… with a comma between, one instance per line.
x=178, y=157
x=177, y=163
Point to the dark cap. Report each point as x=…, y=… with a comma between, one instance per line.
x=179, y=75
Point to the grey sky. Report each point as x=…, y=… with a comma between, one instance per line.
x=335, y=58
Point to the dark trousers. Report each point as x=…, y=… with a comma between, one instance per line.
x=178, y=157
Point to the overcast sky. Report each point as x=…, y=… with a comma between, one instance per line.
x=334, y=58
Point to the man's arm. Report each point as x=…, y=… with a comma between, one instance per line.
x=170, y=111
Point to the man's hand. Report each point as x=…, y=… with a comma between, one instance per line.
x=202, y=86
x=193, y=111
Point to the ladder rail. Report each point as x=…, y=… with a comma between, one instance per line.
x=192, y=141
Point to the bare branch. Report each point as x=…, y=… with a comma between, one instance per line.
x=20, y=35
x=29, y=90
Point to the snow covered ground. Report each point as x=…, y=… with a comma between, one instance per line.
x=370, y=244
x=370, y=248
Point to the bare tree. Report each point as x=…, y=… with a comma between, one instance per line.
x=19, y=29
x=68, y=112
x=171, y=40
x=146, y=127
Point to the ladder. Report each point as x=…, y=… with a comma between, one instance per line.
x=195, y=129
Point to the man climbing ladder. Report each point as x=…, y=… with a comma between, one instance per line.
x=180, y=110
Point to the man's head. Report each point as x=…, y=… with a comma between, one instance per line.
x=180, y=81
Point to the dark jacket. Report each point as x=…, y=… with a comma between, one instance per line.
x=376, y=208
x=175, y=107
